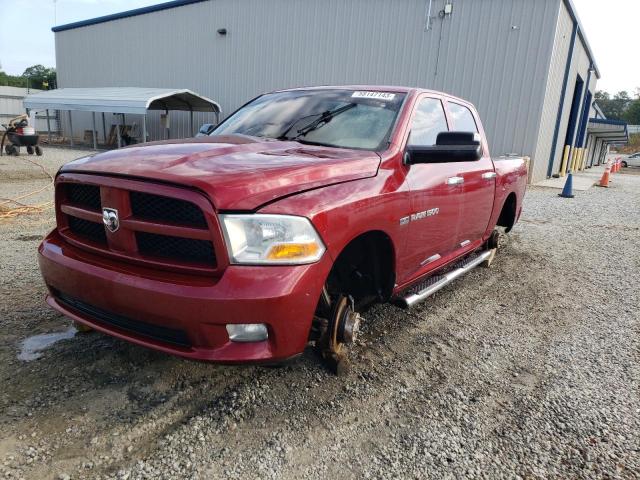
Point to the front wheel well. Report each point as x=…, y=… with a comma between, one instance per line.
x=364, y=270
x=507, y=216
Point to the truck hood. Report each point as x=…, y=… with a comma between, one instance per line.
x=237, y=172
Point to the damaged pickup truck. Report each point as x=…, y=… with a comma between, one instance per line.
x=298, y=211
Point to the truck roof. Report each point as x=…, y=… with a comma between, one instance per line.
x=376, y=88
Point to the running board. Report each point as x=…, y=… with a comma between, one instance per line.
x=432, y=284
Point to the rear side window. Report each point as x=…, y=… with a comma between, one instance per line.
x=462, y=118
x=428, y=121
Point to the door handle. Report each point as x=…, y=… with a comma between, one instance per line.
x=489, y=175
x=455, y=181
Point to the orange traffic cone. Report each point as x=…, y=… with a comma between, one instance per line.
x=604, y=181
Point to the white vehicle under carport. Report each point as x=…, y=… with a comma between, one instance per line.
x=632, y=160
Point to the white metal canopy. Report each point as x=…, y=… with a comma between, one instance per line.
x=611, y=131
x=133, y=100
x=120, y=101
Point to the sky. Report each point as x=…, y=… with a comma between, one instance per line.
x=26, y=38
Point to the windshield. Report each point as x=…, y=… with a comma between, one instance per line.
x=336, y=118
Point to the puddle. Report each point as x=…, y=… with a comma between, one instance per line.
x=32, y=347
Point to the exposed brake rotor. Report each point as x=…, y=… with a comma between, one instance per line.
x=342, y=329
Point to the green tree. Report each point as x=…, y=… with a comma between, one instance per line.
x=616, y=106
x=40, y=77
x=632, y=114
x=11, y=80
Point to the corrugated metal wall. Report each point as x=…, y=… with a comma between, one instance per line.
x=496, y=53
x=555, y=79
x=580, y=64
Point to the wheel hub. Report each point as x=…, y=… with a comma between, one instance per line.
x=349, y=326
x=342, y=329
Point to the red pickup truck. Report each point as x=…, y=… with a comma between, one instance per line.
x=298, y=211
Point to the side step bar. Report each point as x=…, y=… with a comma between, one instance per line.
x=436, y=282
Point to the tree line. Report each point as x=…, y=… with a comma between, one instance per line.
x=36, y=76
x=620, y=106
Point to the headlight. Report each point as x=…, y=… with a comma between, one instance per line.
x=271, y=239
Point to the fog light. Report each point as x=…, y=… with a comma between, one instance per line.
x=247, y=332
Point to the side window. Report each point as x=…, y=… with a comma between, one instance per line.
x=428, y=121
x=462, y=118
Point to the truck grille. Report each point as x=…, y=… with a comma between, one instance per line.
x=174, y=232
x=165, y=209
x=89, y=230
x=83, y=195
x=167, y=246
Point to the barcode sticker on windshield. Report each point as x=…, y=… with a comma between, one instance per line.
x=377, y=95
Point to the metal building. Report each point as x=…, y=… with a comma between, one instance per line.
x=526, y=64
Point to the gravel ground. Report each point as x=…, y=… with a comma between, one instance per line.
x=528, y=369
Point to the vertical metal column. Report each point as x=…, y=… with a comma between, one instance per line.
x=124, y=125
x=118, y=129
x=104, y=129
x=191, y=123
x=144, y=128
x=48, y=126
x=70, y=128
x=93, y=131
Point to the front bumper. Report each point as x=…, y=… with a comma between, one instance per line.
x=135, y=303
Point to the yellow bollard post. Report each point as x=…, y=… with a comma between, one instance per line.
x=572, y=160
x=576, y=166
x=579, y=160
x=565, y=158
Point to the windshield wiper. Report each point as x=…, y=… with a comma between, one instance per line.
x=325, y=118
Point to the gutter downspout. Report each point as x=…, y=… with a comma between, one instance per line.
x=567, y=70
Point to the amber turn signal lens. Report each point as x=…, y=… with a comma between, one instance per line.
x=292, y=251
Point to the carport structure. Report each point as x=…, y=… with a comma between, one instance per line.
x=602, y=134
x=120, y=101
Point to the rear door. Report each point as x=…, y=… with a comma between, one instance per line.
x=435, y=200
x=478, y=179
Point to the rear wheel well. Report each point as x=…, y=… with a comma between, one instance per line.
x=364, y=270
x=507, y=216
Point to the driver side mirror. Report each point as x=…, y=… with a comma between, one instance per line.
x=449, y=147
x=205, y=129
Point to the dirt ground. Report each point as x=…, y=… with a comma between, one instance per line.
x=527, y=369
